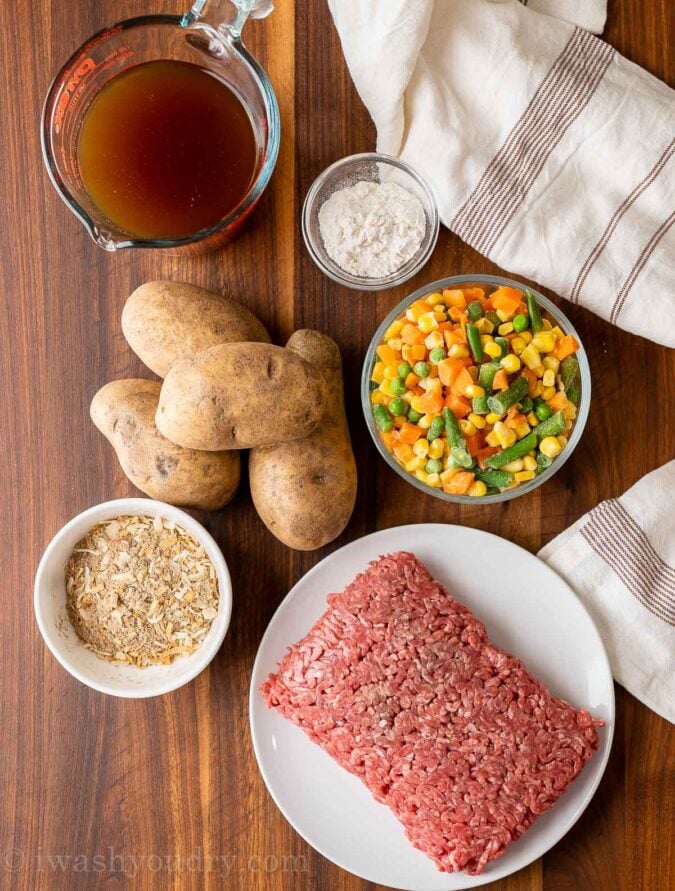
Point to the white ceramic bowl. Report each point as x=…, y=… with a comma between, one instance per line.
x=59, y=635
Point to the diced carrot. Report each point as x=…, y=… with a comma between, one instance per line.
x=468, y=362
x=387, y=354
x=454, y=297
x=404, y=451
x=414, y=352
x=458, y=405
x=501, y=380
x=514, y=418
x=455, y=313
x=445, y=326
x=412, y=334
x=507, y=299
x=559, y=402
x=410, y=433
x=411, y=381
x=483, y=454
x=566, y=346
x=387, y=439
x=461, y=382
x=418, y=308
x=474, y=294
x=522, y=309
x=474, y=443
x=487, y=306
x=431, y=403
x=459, y=483
x=531, y=379
x=448, y=370
x=417, y=390
x=457, y=335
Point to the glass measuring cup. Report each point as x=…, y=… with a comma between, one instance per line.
x=208, y=35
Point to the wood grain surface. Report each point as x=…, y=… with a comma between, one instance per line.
x=166, y=792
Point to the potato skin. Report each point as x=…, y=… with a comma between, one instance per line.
x=240, y=395
x=124, y=412
x=304, y=491
x=164, y=322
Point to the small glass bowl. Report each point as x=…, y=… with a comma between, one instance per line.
x=347, y=172
x=468, y=281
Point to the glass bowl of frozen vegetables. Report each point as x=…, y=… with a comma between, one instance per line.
x=476, y=389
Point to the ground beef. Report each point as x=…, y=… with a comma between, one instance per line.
x=400, y=684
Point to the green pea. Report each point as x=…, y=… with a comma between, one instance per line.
x=543, y=411
x=382, y=418
x=434, y=465
x=398, y=386
x=437, y=355
x=421, y=369
x=435, y=428
x=414, y=416
x=404, y=370
x=521, y=323
x=398, y=407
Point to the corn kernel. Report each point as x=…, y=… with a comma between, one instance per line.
x=529, y=463
x=433, y=340
x=421, y=475
x=385, y=387
x=414, y=464
x=523, y=476
x=532, y=419
x=448, y=474
x=546, y=325
x=537, y=390
x=425, y=421
x=510, y=363
x=435, y=300
x=548, y=379
x=467, y=427
x=539, y=370
x=478, y=421
x=550, y=446
x=421, y=448
x=504, y=316
x=505, y=328
x=526, y=335
x=433, y=480
x=530, y=356
x=485, y=326
x=570, y=411
x=440, y=307
x=395, y=343
x=505, y=436
x=478, y=489
x=514, y=466
x=439, y=316
x=562, y=440
x=522, y=429
x=518, y=345
x=415, y=310
x=544, y=341
x=473, y=372
x=427, y=323
x=550, y=362
x=436, y=448
x=390, y=373
x=458, y=351
x=547, y=393
x=378, y=372
x=454, y=297
x=446, y=449
x=377, y=397
x=486, y=338
x=556, y=332
x=473, y=391
x=491, y=439
x=395, y=328
x=492, y=350
x=492, y=417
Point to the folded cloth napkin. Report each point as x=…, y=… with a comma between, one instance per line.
x=620, y=560
x=546, y=150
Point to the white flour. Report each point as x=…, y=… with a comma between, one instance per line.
x=372, y=229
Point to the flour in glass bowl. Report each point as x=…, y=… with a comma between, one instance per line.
x=372, y=229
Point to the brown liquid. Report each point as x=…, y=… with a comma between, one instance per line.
x=166, y=149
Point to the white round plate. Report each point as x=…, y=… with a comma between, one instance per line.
x=527, y=609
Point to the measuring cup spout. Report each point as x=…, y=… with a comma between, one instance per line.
x=227, y=16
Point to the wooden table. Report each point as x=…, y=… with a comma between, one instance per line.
x=146, y=785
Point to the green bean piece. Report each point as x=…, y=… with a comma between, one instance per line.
x=404, y=370
x=553, y=426
x=474, y=311
x=570, y=373
x=543, y=411
x=382, y=418
x=492, y=316
x=486, y=375
x=493, y=490
x=398, y=386
x=501, y=402
x=521, y=323
x=574, y=394
x=517, y=450
x=456, y=440
x=434, y=465
x=435, y=428
x=503, y=344
x=421, y=369
x=479, y=404
x=526, y=405
x=473, y=337
x=414, y=416
x=499, y=478
x=398, y=407
x=437, y=355
x=533, y=311
x=543, y=461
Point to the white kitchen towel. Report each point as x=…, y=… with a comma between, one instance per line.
x=620, y=560
x=546, y=150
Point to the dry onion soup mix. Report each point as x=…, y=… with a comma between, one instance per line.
x=475, y=390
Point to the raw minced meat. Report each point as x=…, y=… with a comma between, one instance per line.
x=401, y=685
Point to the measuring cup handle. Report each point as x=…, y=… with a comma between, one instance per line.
x=228, y=15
